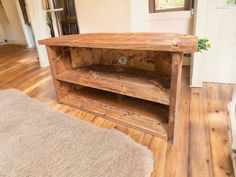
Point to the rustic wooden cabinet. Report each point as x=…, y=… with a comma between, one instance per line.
x=130, y=78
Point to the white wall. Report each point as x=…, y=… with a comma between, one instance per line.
x=37, y=17
x=103, y=15
x=142, y=20
x=11, y=22
x=129, y=15
x=2, y=34
x=216, y=22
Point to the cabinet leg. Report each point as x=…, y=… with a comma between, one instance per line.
x=176, y=72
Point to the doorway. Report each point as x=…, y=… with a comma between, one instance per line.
x=61, y=16
x=25, y=23
x=67, y=18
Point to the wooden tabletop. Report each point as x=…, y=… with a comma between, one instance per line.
x=134, y=41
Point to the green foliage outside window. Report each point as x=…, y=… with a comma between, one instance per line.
x=231, y=1
x=168, y=4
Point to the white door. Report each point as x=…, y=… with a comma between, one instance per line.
x=219, y=26
x=220, y=61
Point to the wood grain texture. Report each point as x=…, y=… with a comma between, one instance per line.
x=122, y=72
x=188, y=157
x=139, y=114
x=176, y=73
x=177, y=151
x=59, y=62
x=199, y=140
x=216, y=115
x=134, y=41
x=89, y=52
x=122, y=80
x=136, y=59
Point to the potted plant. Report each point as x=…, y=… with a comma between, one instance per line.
x=203, y=44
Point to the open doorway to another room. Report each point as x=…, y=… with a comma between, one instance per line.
x=67, y=18
x=25, y=22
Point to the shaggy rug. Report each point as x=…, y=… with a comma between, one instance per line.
x=36, y=141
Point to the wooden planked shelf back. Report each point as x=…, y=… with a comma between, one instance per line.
x=130, y=78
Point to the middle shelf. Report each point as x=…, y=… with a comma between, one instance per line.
x=147, y=85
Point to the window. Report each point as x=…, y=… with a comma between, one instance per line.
x=230, y=2
x=169, y=5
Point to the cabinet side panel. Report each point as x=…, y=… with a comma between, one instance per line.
x=60, y=60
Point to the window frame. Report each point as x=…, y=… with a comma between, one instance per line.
x=188, y=5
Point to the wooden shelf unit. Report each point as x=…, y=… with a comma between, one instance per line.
x=141, y=92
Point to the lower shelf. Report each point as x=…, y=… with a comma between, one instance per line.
x=139, y=114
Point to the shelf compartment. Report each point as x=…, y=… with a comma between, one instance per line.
x=136, y=113
x=136, y=83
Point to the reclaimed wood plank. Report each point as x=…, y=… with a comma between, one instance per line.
x=134, y=41
x=217, y=115
x=131, y=112
x=176, y=73
x=200, y=157
x=179, y=151
x=117, y=79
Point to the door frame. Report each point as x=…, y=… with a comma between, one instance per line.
x=28, y=32
x=54, y=18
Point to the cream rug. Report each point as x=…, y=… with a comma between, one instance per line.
x=38, y=142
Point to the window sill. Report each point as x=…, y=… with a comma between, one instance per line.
x=170, y=10
x=186, y=14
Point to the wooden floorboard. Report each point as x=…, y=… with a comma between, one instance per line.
x=179, y=150
x=218, y=125
x=201, y=147
x=200, y=158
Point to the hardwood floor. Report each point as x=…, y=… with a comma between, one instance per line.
x=201, y=148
